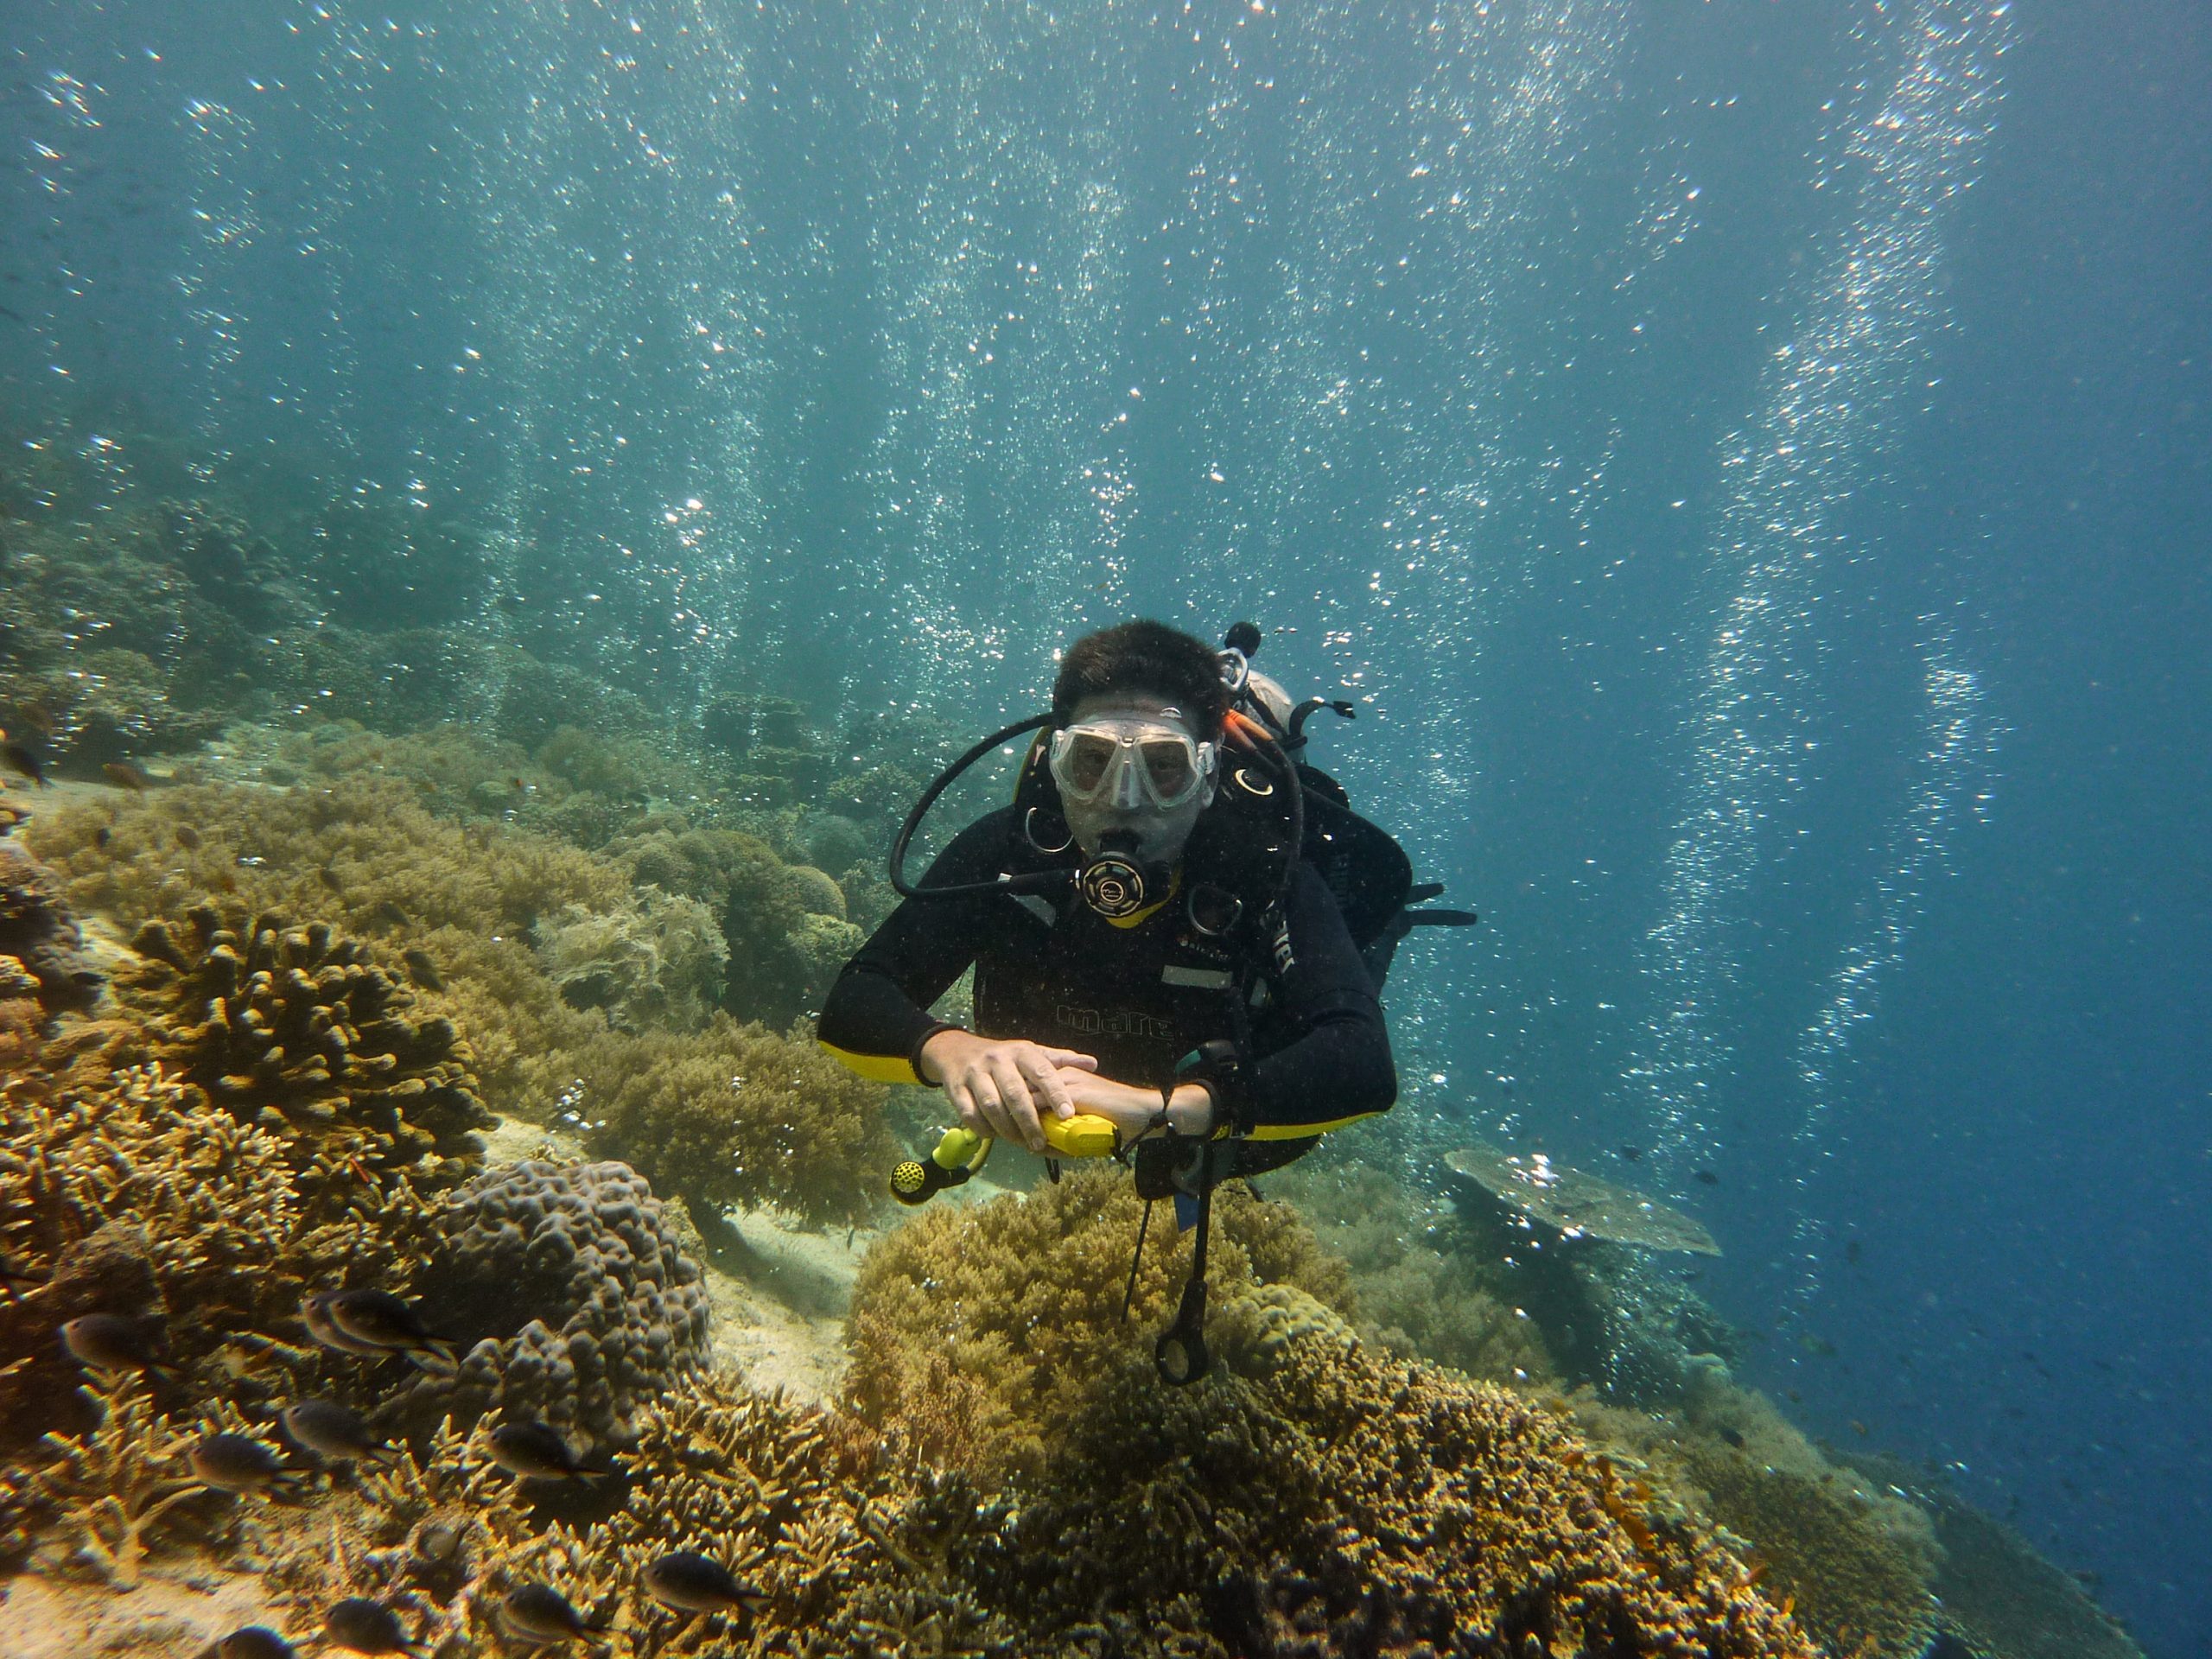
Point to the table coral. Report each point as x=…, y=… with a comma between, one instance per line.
x=574, y=1293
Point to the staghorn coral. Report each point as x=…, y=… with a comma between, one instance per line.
x=977, y=1328
x=125, y=1195
x=42, y=956
x=808, y=1507
x=655, y=961
x=114, y=1493
x=298, y=1027
x=570, y=1287
x=731, y=1114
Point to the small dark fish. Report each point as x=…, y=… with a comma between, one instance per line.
x=253, y=1642
x=124, y=775
x=1852, y=1252
x=1632, y=1153
x=384, y=1321
x=439, y=1544
x=187, y=837
x=21, y=760
x=102, y=836
x=108, y=1341
x=366, y=1626
x=233, y=1463
x=1821, y=1345
x=328, y=877
x=314, y=1313
x=333, y=1431
x=423, y=970
x=691, y=1583
x=517, y=785
x=1735, y=1437
x=534, y=1450
x=1858, y=1427
x=14, y=1275
x=538, y=1612
x=388, y=914
x=12, y=316
x=1708, y=1178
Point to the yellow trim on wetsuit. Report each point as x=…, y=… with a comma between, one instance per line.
x=1299, y=1131
x=876, y=1068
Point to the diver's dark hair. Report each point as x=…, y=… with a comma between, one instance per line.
x=1144, y=655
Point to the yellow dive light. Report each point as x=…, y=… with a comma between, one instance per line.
x=960, y=1153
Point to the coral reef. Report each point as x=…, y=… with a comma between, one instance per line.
x=1855, y=1557
x=298, y=1030
x=571, y=1288
x=810, y=1510
x=1418, y=1300
x=978, y=1331
x=1314, y=1497
x=657, y=960
x=2006, y=1602
x=112, y=1489
x=734, y=1114
x=368, y=854
x=42, y=959
x=122, y=1193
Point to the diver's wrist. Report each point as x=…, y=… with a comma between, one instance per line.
x=1191, y=1109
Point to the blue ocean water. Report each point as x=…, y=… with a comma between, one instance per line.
x=1749, y=463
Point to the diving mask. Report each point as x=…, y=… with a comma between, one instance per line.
x=1127, y=763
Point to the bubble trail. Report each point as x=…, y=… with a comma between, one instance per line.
x=1959, y=744
x=1835, y=397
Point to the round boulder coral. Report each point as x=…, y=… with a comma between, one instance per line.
x=571, y=1283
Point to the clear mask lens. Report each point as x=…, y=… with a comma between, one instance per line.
x=1129, y=765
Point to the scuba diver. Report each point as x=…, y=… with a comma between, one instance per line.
x=1179, y=932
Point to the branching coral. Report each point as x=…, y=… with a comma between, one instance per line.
x=297, y=1027
x=126, y=1196
x=574, y=1295
x=731, y=1114
x=113, y=1490
x=365, y=854
x=977, y=1328
x=1449, y=1307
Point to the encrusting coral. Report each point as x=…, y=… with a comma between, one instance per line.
x=569, y=1285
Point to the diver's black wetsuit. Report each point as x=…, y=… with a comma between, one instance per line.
x=1138, y=995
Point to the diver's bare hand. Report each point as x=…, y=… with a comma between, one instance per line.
x=1001, y=1087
